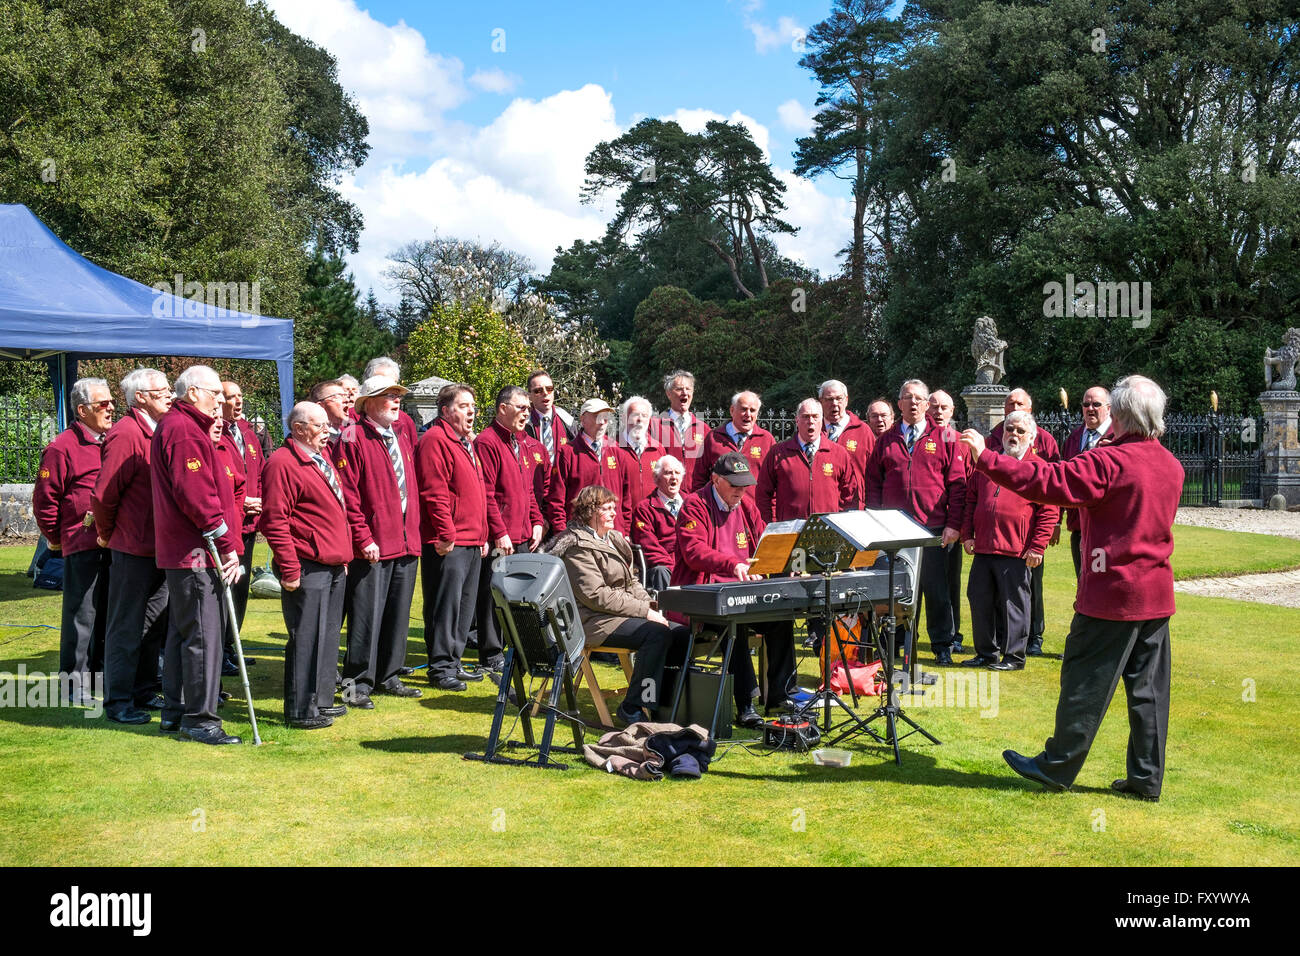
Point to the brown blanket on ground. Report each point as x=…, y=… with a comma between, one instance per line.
x=625, y=751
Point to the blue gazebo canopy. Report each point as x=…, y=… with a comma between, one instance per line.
x=57, y=305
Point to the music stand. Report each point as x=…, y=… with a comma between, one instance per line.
x=537, y=613
x=890, y=531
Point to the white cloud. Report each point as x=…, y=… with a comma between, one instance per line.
x=401, y=86
x=493, y=81
x=825, y=223
x=795, y=117
x=787, y=33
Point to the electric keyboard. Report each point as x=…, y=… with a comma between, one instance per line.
x=776, y=598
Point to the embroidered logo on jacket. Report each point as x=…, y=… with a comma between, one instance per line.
x=611, y=462
x=930, y=447
x=45, y=472
x=193, y=464
x=828, y=469
x=755, y=451
x=741, y=540
x=852, y=444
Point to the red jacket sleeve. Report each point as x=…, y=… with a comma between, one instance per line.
x=195, y=491
x=556, y=512
x=693, y=546
x=956, y=478
x=47, y=495
x=119, y=469
x=644, y=535
x=277, y=506
x=968, y=512
x=1045, y=519
x=873, y=476
x=490, y=461
x=434, y=476
x=1080, y=481
x=348, y=449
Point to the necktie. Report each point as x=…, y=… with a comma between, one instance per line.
x=808, y=451
x=548, y=437
x=469, y=448
x=832, y=431
x=238, y=436
x=911, y=437
x=1090, y=440
x=330, y=477
x=679, y=424
x=740, y=441
x=514, y=450
x=399, y=469
x=673, y=506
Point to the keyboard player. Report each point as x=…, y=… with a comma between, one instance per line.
x=717, y=535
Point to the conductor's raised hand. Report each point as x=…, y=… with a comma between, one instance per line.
x=974, y=441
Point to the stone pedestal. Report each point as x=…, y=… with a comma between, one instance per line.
x=421, y=403
x=1280, y=449
x=984, y=406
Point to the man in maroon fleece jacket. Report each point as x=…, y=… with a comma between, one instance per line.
x=741, y=434
x=846, y=429
x=454, y=532
x=917, y=467
x=246, y=456
x=61, y=505
x=592, y=458
x=304, y=520
x=1008, y=536
x=137, y=588
x=654, y=522
x=194, y=503
x=513, y=516
x=1127, y=495
x=377, y=471
x=1094, y=430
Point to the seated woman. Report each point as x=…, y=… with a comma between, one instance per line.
x=615, y=609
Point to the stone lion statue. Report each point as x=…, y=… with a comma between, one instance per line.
x=1280, y=366
x=987, y=350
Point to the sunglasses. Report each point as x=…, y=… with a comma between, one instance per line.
x=106, y=403
x=543, y=389
x=1093, y=404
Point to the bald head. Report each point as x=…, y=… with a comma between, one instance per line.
x=941, y=407
x=744, y=411
x=1018, y=401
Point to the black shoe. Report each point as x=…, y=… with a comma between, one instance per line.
x=397, y=689
x=337, y=710
x=629, y=716
x=1124, y=789
x=228, y=667
x=449, y=683
x=783, y=706
x=309, y=723
x=224, y=696
x=749, y=718
x=943, y=656
x=495, y=665
x=154, y=703
x=1035, y=649
x=1007, y=666
x=359, y=701
x=168, y=726
x=210, y=735
x=130, y=716
x=1028, y=768
x=468, y=674
x=406, y=671
x=250, y=661
x=979, y=660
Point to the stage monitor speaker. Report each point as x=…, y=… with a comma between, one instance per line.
x=537, y=610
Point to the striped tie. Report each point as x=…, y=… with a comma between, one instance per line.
x=1090, y=441
x=911, y=437
x=399, y=469
x=469, y=448
x=330, y=477
x=548, y=437
x=238, y=436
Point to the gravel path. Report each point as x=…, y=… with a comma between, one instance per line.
x=1276, y=587
x=1284, y=524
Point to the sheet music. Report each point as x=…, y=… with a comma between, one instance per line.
x=880, y=529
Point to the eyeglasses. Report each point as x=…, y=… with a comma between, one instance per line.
x=337, y=396
x=1093, y=404
x=1017, y=430
x=543, y=389
x=106, y=403
x=211, y=391
x=155, y=391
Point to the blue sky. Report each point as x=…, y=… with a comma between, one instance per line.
x=475, y=141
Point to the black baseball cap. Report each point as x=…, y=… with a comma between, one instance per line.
x=735, y=469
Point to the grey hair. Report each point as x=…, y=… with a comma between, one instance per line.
x=189, y=378
x=374, y=366
x=675, y=375
x=736, y=398
x=1138, y=406
x=508, y=393
x=349, y=380
x=627, y=406
x=914, y=381
x=81, y=390
x=818, y=405
x=664, y=462
x=139, y=381
x=1022, y=418
x=831, y=384
x=1029, y=399
x=301, y=412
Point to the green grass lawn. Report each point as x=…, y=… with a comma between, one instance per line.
x=389, y=786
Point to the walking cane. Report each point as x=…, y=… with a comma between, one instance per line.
x=234, y=630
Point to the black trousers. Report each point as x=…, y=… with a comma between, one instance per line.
x=940, y=622
x=1074, y=552
x=85, y=613
x=658, y=577
x=998, y=591
x=449, y=585
x=380, y=622
x=491, y=645
x=953, y=569
x=1097, y=654
x=1037, y=621
x=135, y=632
x=240, y=590
x=312, y=612
x=778, y=636
x=192, y=656
x=652, y=642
